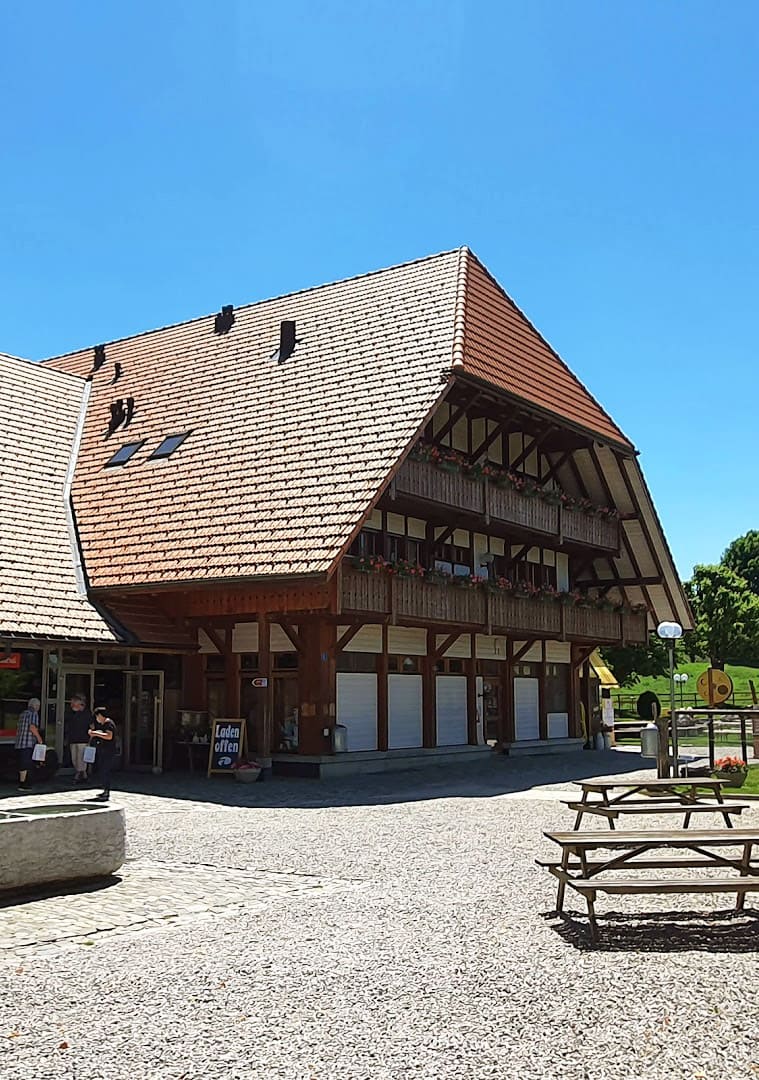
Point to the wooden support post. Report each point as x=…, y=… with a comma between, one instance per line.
x=265, y=721
x=232, y=677
x=471, y=696
x=542, y=714
x=317, y=685
x=508, y=694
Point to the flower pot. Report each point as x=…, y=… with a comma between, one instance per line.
x=731, y=778
x=247, y=776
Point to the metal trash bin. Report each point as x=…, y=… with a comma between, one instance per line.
x=649, y=741
x=339, y=738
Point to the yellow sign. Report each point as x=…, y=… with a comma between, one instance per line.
x=714, y=686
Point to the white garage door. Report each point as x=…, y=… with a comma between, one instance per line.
x=526, y=712
x=357, y=709
x=404, y=708
x=450, y=695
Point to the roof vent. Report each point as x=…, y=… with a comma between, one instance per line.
x=224, y=321
x=286, y=340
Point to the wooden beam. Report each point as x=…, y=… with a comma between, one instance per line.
x=428, y=693
x=556, y=466
x=622, y=582
x=439, y=652
x=542, y=714
x=470, y=666
x=582, y=652
x=347, y=636
x=534, y=444
x=500, y=429
x=218, y=643
x=292, y=634
x=453, y=419
x=517, y=656
x=265, y=722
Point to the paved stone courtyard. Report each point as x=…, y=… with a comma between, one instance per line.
x=373, y=929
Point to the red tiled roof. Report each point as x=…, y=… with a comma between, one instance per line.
x=283, y=460
x=502, y=346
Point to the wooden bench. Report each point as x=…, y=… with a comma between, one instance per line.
x=629, y=886
x=654, y=806
x=702, y=849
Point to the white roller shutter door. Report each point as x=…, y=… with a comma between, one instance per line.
x=404, y=707
x=450, y=695
x=526, y=711
x=357, y=709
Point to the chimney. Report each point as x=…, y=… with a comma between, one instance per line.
x=286, y=340
x=224, y=321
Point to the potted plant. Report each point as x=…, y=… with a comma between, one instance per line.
x=247, y=772
x=731, y=770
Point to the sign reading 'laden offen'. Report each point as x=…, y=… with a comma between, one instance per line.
x=227, y=745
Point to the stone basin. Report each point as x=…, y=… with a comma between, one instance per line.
x=68, y=842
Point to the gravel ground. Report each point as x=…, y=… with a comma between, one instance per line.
x=438, y=960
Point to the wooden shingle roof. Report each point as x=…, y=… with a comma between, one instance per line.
x=40, y=596
x=284, y=459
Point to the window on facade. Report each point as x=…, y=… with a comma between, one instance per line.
x=124, y=454
x=214, y=662
x=357, y=662
x=249, y=661
x=285, y=661
x=403, y=547
x=527, y=671
x=403, y=665
x=557, y=688
x=453, y=554
x=368, y=542
x=452, y=665
x=168, y=446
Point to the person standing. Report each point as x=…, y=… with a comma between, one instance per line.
x=28, y=734
x=78, y=725
x=102, y=735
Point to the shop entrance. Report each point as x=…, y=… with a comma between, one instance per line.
x=134, y=701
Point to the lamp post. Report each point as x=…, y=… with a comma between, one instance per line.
x=670, y=632
x=681, y=677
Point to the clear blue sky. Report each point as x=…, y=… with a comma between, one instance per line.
x=159, y=159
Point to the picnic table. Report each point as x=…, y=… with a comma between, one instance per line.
x=702, y=848
x=678, y=795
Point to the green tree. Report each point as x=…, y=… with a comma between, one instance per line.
x=727, y=615
x=742, y=556
x=636, y=661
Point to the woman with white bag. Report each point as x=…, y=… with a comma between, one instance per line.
x=28, y=738
x=103, y=742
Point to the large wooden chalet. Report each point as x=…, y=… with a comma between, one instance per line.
x=388, y=499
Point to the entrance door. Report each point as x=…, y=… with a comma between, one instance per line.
x=142, y=746
x=72, y=681
x=526, y=709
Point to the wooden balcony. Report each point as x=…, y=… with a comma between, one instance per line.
x=504, y=505
x=410, y=600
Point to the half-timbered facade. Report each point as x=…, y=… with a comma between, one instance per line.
x=389, y=518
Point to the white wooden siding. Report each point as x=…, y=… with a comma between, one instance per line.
x=450, y=693
x=526, y=713
x=404, y=707
x=357, y=709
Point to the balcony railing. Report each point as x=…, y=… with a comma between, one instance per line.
x=492, y=612
x=421, y=480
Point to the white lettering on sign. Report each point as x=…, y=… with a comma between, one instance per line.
x=226, y=746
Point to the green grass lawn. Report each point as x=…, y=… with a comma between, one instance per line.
x=660, y=686
x=751, y=787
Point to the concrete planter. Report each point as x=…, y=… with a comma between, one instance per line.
x=43, y=845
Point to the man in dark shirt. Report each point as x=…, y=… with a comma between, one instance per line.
x=78, y=723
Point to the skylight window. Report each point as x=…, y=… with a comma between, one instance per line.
x=168, y=446
x=125, y=454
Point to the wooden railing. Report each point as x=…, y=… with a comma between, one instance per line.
x=492, y=612
x=503, y=504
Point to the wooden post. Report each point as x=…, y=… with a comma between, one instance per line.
x=508, y=694
x=471, y=695
x=231, y=676
x=317, y=685
x=542, y=715
x=193, y=686
x=265, y=725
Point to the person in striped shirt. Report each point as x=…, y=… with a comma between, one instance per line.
x=27, y=735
